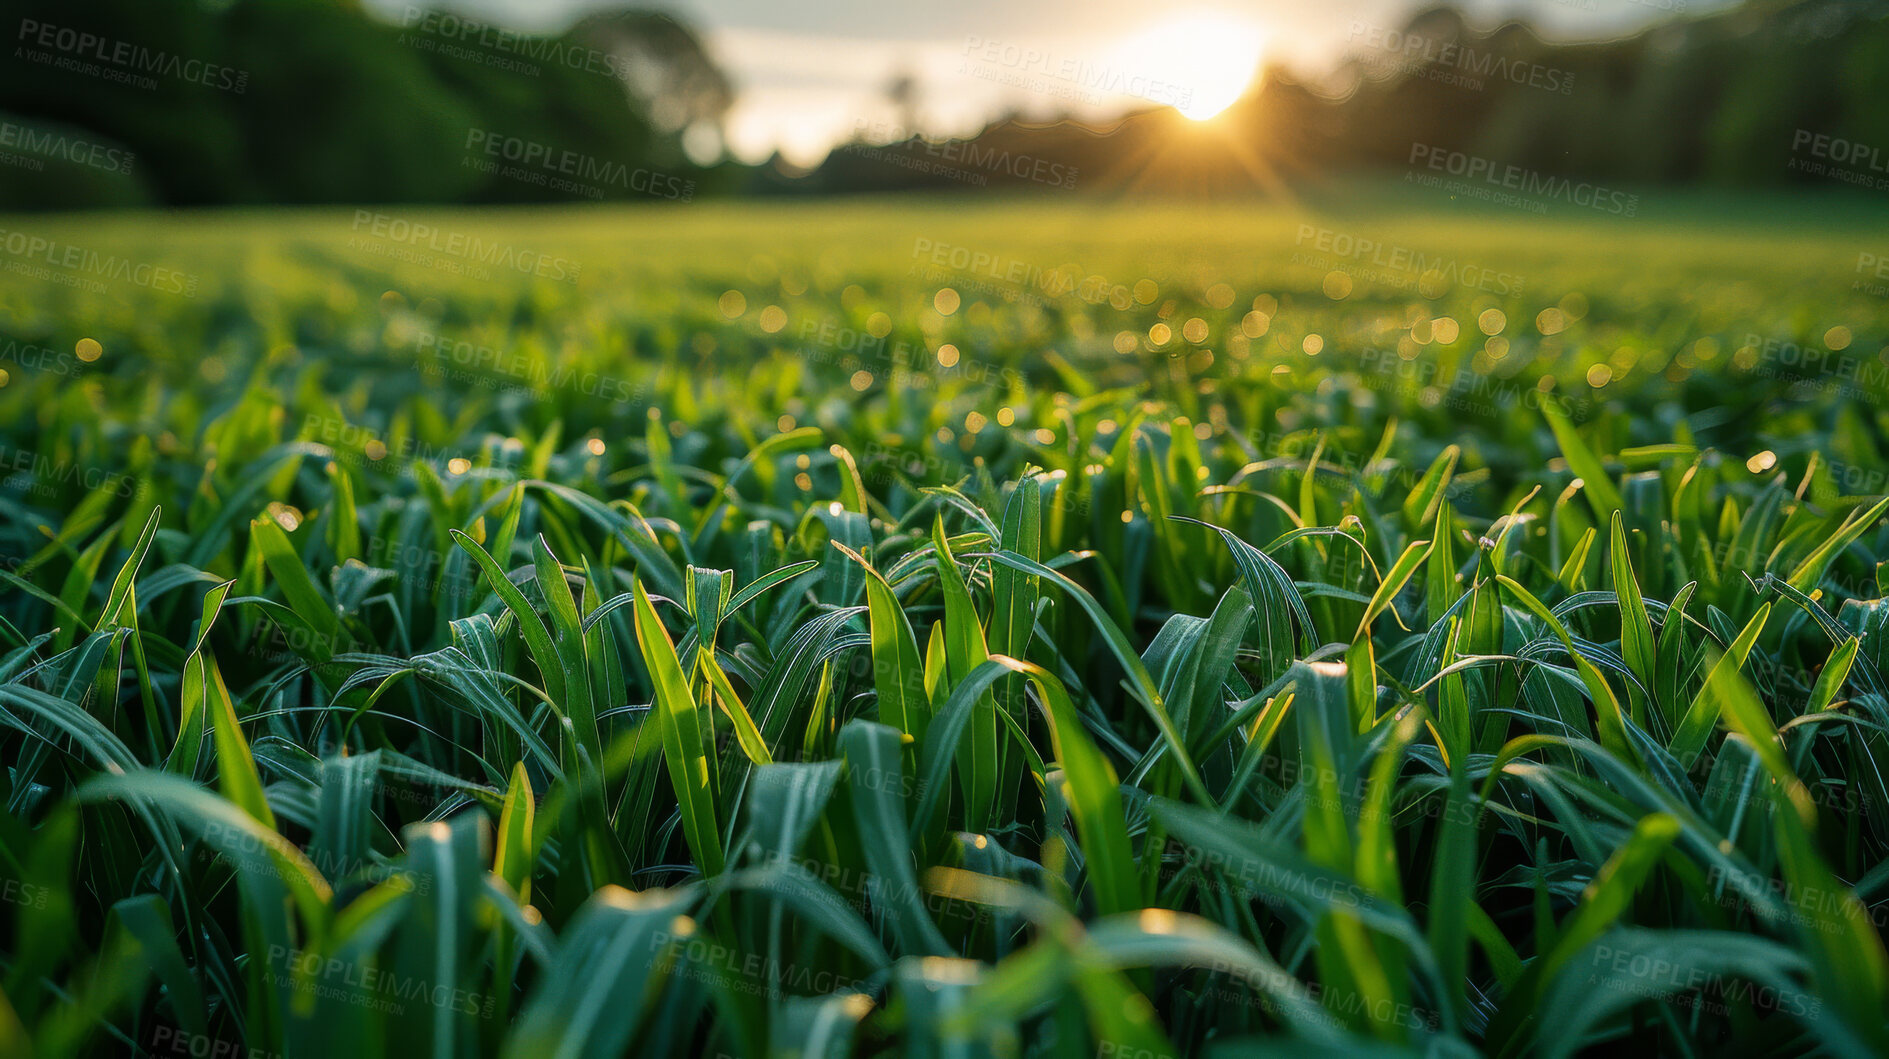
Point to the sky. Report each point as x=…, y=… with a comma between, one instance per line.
x=812, y=75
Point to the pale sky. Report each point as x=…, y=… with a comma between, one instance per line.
x=810, y=75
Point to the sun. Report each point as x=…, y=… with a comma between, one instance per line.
x=1203, y=61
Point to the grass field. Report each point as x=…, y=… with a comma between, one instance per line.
x=925, y=629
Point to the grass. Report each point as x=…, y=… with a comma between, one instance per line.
x=1149, y=631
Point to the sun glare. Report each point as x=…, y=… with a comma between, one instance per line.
x=1205, y=60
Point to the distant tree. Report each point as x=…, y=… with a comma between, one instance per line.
x=316, y=101
x=902, y=93
x=664, y=64
x=1863, y=84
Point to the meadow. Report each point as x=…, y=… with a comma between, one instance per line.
x=921, y=628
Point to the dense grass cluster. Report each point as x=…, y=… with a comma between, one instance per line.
x=1138, y=634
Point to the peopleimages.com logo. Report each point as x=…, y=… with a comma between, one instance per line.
x=1066, y=76
x=1841, y=151
x=1520, y=180
x=39, y=255
x=509, y=48
x=1413, y=52
x=565, y=170
x=1848, y=161
x=79, y=50
x=461, y=246
x=1403, y=266
x=49, y=144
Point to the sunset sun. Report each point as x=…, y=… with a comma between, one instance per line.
x=1206, y=59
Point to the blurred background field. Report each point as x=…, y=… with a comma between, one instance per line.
x=1277, y=310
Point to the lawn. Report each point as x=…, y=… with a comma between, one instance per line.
x=945, y=629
